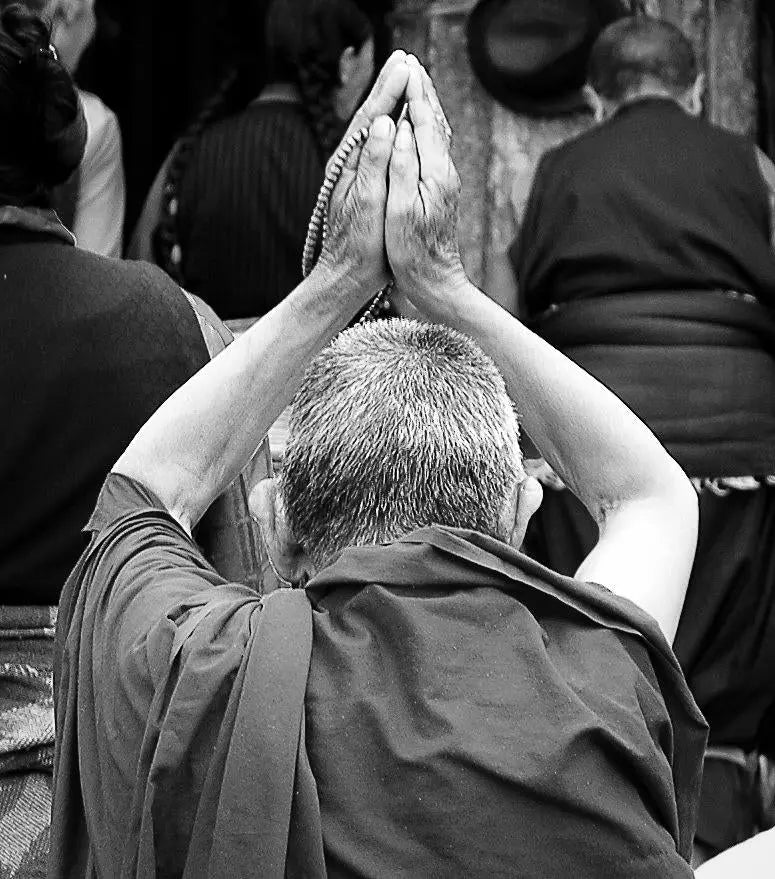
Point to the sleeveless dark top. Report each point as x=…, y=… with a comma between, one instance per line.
x=91, y=348
x=245, y=203
x=653, y=199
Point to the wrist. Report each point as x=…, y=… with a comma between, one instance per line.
x=438, y=290
x=337, y=289
x=350, y=282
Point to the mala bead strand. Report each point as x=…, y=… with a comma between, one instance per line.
x=318, y=229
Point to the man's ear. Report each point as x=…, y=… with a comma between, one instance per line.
x=287, y=556
x=695, y=95
x=594, y=103
x=526, y=500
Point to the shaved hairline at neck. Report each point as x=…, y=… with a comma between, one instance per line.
x=689, y=100
x=398, y=425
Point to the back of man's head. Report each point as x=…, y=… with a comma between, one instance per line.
x=398, y=425
x=638, y=53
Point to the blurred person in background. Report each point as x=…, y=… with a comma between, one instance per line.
x=645, y=255
x=228, y=213
x=91, y=347
x=91, y=202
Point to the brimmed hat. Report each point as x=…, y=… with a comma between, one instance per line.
x=531, y=55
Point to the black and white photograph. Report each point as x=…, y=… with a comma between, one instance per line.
x=387, y=439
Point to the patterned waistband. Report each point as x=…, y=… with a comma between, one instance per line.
x=724, y=485
x=27, y=621
x=718, y=485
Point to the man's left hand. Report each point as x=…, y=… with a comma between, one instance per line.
x=355, y=242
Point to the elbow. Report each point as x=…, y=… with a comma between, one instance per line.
x=675, y=500
x=677, y=497
x=682, y=495
x=667, y=497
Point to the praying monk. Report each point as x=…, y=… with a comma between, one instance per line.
x=427, y=700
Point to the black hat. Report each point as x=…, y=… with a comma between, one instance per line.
x=531, y=55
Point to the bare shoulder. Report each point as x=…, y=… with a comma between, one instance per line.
x=646, y=551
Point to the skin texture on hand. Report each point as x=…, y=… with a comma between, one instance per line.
x=356, y=218
x=424, y=195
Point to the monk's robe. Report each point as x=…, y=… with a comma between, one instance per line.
x=440, y=706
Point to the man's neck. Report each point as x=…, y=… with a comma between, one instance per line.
x=285, y=92
x=641, y=96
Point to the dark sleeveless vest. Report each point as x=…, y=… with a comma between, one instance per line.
x=653, y=199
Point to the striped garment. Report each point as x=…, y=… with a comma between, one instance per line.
x=26, y=738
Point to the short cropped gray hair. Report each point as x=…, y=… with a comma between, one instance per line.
x=636, y=49
x=398, y=425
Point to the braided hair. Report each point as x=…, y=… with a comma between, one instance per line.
x=303, y=44
x=227, y=99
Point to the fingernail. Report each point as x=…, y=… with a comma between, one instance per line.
x=404, y=136
x=382, y=126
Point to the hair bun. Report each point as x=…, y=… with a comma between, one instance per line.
x=27, y=30
x=39, y=107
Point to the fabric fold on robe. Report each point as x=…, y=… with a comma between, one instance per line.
x=697, y=366
x=190, y=712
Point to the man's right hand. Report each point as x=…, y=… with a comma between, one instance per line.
x=423, y=199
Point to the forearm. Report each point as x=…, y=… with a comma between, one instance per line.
x=501, y=284
x=197, y=442
x=602, y=451
x=752, y=859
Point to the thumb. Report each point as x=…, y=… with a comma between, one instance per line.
x=375, y=156
x=368, y=162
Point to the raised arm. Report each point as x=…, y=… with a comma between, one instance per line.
x=643, y=503
x=197, y=442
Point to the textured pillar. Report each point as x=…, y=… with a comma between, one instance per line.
x=469, y=111
x=518, y=142
x=410, y=28
x=732, y=64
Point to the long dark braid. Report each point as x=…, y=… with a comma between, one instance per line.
x=317, y=93
x=230, y=97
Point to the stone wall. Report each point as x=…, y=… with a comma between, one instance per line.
x=496, y=151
